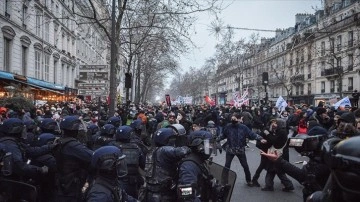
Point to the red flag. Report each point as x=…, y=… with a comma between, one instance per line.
x=168, y=100
x=209, y=100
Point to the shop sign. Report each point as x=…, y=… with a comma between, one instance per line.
x=92, y=92
x=92, y=67
x=91, y=85
x=91, y=76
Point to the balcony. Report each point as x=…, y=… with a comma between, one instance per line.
x=248, y=85
x=332, y=71
x=297, y=79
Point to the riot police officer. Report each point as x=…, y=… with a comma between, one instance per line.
x=12, y=130
x=110, y=166
x=49, y=125
x=135, y=159
x=107, y=133
x=93, y=132
x=193, y=173
x=73, y=160
x=315, y=173
x=161, y=167
x=47, y=184
x=31, y=130
x=115, y=121
x=343, y=183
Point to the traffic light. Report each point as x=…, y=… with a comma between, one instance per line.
x=265, y=78
x=128, y=80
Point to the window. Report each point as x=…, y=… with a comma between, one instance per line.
x=322, y=48
x=339, y=43
x=332, y=86
x=322, y=70
x=63, y=66
x=24, y=53
x=332, y=45
x=24, y=16
x=37, y=64
x=350, y=62
x=302, y=90
x=309, y=72
x=350, y=39
x=56, y=38
x=46, y=67
x=63, y=20
x=338, y=62
x=7, y=8
x=38, y=23
x=7, y=54
x=55, y=70
x=350, y=83
x=323, y=87
x=309, y=88
x=47, y=29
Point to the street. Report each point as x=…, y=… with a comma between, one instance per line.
x=242, y=192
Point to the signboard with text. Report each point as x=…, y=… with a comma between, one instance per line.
x=92, y=92
x=92, y=67
x=92, y=85
x=86, y=76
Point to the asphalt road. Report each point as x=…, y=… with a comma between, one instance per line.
x=242, y=192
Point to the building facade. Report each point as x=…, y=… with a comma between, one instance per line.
x=316, y=60
x=44, y=40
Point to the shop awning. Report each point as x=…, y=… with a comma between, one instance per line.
x=44, y=84
x=6, y=75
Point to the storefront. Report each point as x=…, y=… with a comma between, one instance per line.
x=328, y=99
x=33, y=89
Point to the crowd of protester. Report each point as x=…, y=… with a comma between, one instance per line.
x=267, y=125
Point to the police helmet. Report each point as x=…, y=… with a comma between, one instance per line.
x=13, y=127
x=200, y=142
x=72, y=123
x=345, y=165
x=309, y=143
x=109, y=160
x=49, y=125
x=123, y=133
x=116, y=121
x=179, y=129
x=108, y=130
x=30, y=125
x=164, y=136
x=92, y=129
x=45, y=138
x=136, y=124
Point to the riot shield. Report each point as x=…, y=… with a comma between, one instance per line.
x=11, y=191
x=223, y=182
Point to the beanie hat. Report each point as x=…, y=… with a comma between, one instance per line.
x=320, y=111
x=348, y=117
x=317, y=130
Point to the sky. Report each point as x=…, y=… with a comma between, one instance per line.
x=253, y=14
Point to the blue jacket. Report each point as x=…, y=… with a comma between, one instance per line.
x=20, y=152
x=236, y=135
x=104, y=191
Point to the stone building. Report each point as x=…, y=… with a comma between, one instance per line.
x=43, y=40
x=316, y=60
